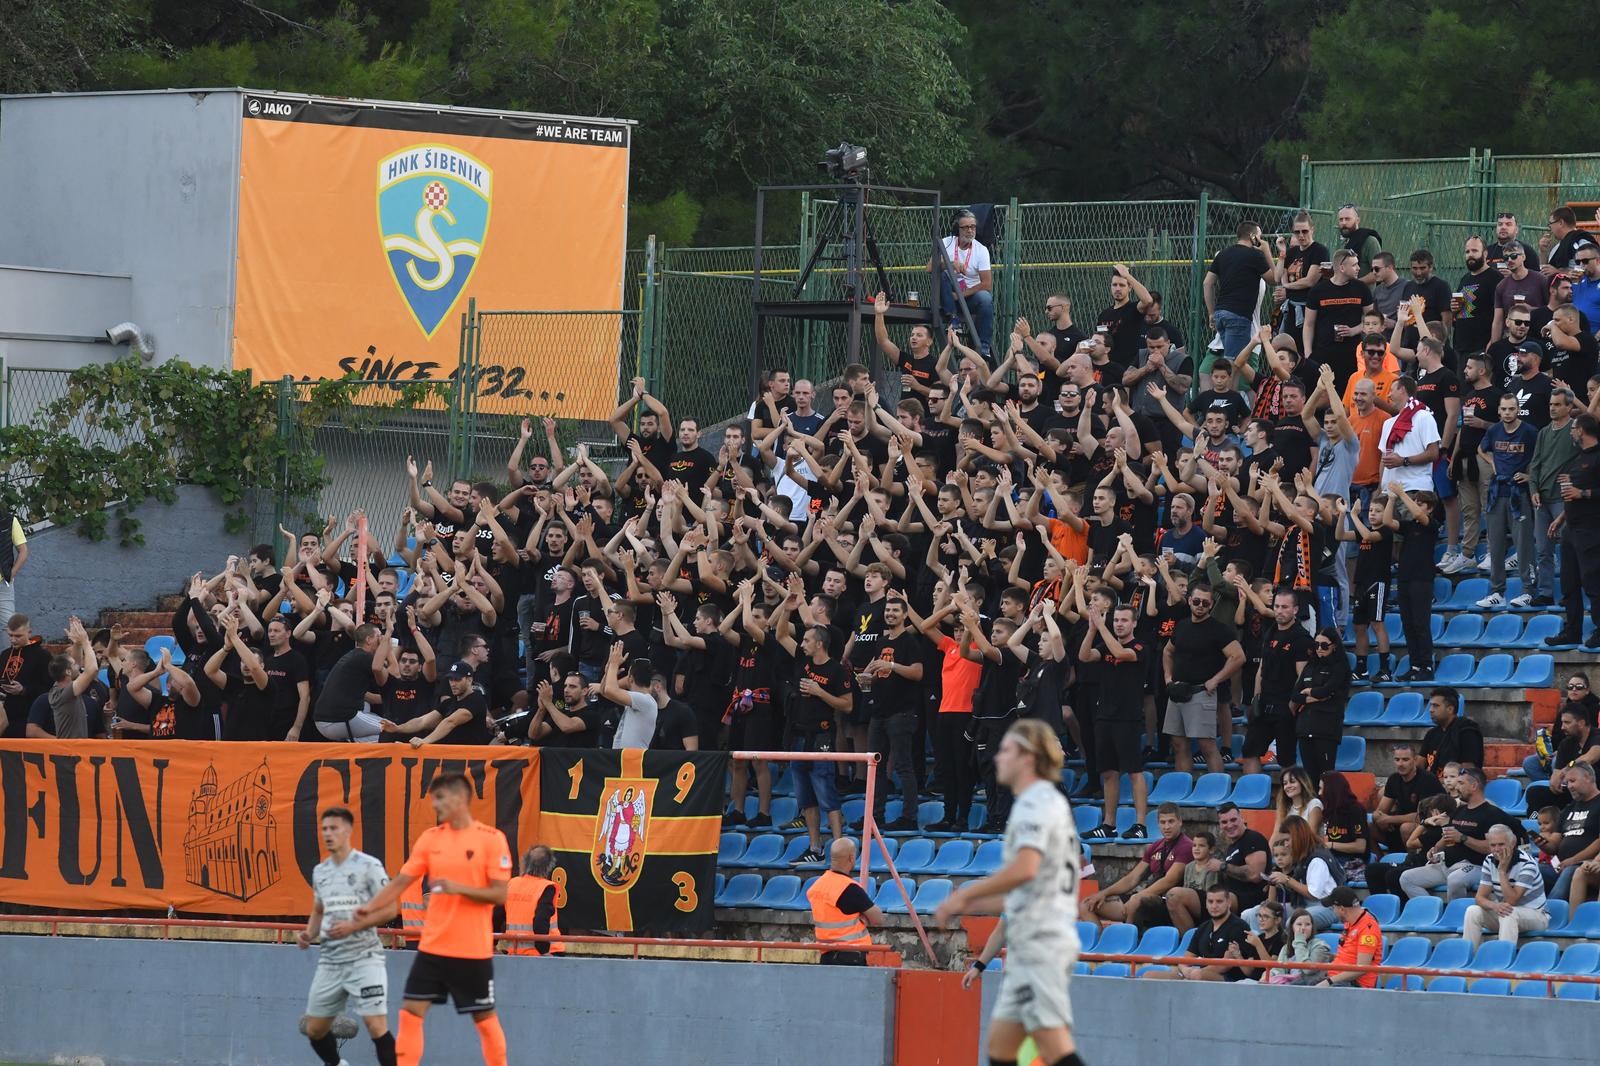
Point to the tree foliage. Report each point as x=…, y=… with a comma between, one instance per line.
x=983, y=98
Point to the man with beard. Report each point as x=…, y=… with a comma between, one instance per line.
x=1473, y=300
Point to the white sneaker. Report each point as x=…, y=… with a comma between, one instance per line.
x=1511, y=562
x=1454, y=563
x=1486, y=565
x=1523, y=600
x=1494, y=599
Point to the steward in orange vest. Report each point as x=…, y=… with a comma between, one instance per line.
x=841, y=908
x=531, y=904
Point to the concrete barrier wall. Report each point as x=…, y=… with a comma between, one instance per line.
x=1123, y=1022
x=144, y=1003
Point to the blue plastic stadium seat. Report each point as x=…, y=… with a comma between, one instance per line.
x=1578, y=959
x=1466, y=595
x=977, y=816
x=929, y=812
x=1401, y=668
x=1253, y=791
x=780, y=892
x=1087, y=817
x=1506, y=793
x=1210, y=790
x=1080, y=969
x=1185, y=940
x=1536, y=956
x=794, y=849
x=1450, y=954
x=1117, y=938
x=1490, y=986
x=1088, y=933
x=784, y=785
x=852, y=809
x=1111, y=969
x=953, y=857
x=1540, y=628
x=1452, y=917
x=1384, y=907
x=1493, y=670
x=1583, y=992
x=1409, y=952
x=1364, y=708
x=785, y=809
x=1532, y=990
x=764, y=853
x=1502, y=631
x=721, y=880
x=1585, y=921
x=1125, y=821
x=1405, y=709
x=1534, y=671
x=1448, y=984
x=986, y=860
x=1158, y=940
x=162, y=641
x=1492, y=956
x=730, y=849
x=915, y=856
x=1559, y=910
x=1454, y=669
x=880, y=864
x=1442, y=589
x=1171, y=787
x=740, y=890
x=1397, y=633
x=931, y=893
x=890, y=899
x=1352, y=754
x=1418, y=915
x=1464, y=630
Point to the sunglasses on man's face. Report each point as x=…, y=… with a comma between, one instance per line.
x=1579, y=685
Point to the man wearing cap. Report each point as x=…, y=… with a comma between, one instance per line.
x=1507, y=232
x=1361, y=943
x=462, y=717
x=1531, y=386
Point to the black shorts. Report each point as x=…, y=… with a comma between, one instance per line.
x=469, y=982
x=759, y=730
x=1369, y=604
x=1119, y=746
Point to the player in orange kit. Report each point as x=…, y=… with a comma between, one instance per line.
x=468, y=866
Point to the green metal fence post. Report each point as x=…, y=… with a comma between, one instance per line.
x=1197, y=272
x=1011, y=305
x=809, y=338
x=280, y=498
x=649, y=367
x=1306, y=172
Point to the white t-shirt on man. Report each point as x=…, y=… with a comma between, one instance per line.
x=1418, y=477
x=967, y=262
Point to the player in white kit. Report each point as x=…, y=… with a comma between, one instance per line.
x=1038, y=882
x=350, y=967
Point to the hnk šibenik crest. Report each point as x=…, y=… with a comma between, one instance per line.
x=433, y=214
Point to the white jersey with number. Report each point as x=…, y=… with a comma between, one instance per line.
x=1046, y=908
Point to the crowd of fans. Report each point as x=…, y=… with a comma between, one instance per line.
x=1091, y=525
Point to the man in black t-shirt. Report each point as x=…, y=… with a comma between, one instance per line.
x=824, y=692
x=690, y=464
x=1334, y=310
x=1285, y=650
x=676, y=727
x=1580, y=826
x=1570, y=351
x=1562, y=242
x=897, y=698
x=408, y=694
x=1299, y=269
x=461, y=717
x=1579, y=744
x=341, y=712
x=1290, y=438
x=1118, y=713
x=1233, y=288
x=1403, y=792
x=1435, y=293
x=573, y=721
x=1124, y=319
x=1473, y=300
x=1479, y=403
x=1201, y=656
x=1459, y=861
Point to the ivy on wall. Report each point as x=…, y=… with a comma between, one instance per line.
x=124, y=433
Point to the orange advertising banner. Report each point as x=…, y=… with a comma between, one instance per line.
x=225, y=828
x=364, y=230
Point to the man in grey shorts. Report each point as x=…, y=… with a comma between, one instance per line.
x=1201, y=656
x=350, y=967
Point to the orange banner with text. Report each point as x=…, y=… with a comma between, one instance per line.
x=365, y=230
x=225, y=828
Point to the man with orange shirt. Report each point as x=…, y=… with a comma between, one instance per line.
x=1361, y=943
x=1366, y=423
x=468, y=866
x=1371, y=369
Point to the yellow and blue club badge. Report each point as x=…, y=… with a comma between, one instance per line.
x=433, y=215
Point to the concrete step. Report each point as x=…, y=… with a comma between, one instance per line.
x=153, y=620
x=1498, y=756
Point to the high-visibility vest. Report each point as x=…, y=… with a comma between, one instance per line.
x=834, y=926
x=522, y=901
x=413, y=910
